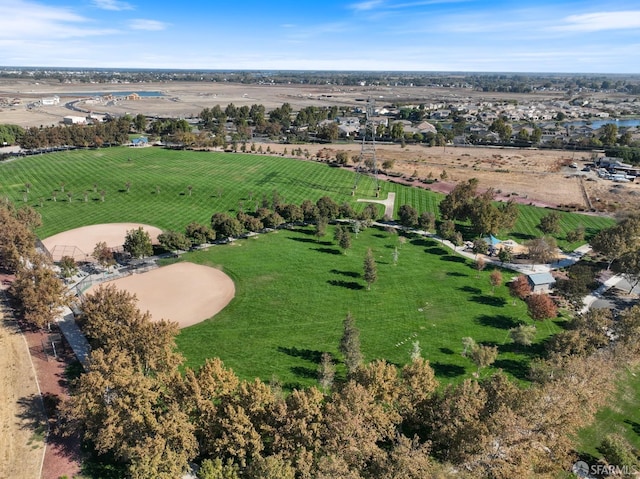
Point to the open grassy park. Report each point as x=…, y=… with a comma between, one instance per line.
x=292, y=291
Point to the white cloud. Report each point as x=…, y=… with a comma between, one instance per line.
x=24, y=21
x=597, y=21
x=150, y=25
x=367, y=5
x=114, y=5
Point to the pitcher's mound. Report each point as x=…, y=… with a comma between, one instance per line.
x=80, y=242
x=185, y=293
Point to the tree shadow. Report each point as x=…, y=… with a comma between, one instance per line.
x=350, y=274
x=521, y=236
x=447, y=351
x=306, y=354
x=328, y=250
x=456, y=274
x=423, y=242
x=635, y=426
x=346, y=284
x=453, y=259
x=499, y=321
x=436, y=250
x=304, y=372
x=489, y=300
x=533, y=351
x=470, y=289
x=517, y=368
x=447, y=370
x=311, y=240
x=32, y=411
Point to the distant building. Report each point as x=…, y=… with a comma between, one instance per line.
x=74, y=120
x=50, y=101
x=142, y=141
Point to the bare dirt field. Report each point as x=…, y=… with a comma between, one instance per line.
x=80, y=242
x=22, y=424
x=185, y=293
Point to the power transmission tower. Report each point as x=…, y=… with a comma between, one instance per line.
x=367, y=161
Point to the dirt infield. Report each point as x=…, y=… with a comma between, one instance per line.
x=80, y=242
x=186, y=293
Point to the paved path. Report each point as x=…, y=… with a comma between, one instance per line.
x=68, y=326
x=388, y=204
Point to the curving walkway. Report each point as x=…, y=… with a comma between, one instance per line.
x=389, y=203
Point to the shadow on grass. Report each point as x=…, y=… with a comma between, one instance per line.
x=489, y=300
x=311, y=240
x=447, y=351
x=499, y=321
x=533, y=351
x=470, y=289
x=635, y=426
x=517, y=368
x=328, y=250
x=349, y=274
x=304, y=372
x=426, y=243
x=521, y=236
x=455, y=274
x=346, y=284
x=437, y=250
x=306, y=354
x=443, y=370
x=453, y=259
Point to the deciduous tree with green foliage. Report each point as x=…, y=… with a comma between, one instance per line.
x=137, y=243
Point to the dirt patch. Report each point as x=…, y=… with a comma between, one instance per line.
x=186, y=293
x=80, y=242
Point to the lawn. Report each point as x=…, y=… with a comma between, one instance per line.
x=219, y=181
x=622, y=417
x=294, y=291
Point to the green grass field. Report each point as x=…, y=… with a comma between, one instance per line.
x=220, y=182
x=292, y=292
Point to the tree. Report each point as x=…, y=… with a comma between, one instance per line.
x=326, y=372
x=427, y=221
x=408, y=216
x=480, y=265
x=505, y=255
x=483, y=356
x=541, y=306
x=542, y=250
x=345, y=240
x=137, y=243
x=40, y=292
x=370, y=269
x=576, y=234
x=350, y=345
x=199, y=234
x=321, y=227
x=550, y=224
x=468, y=345
x=328, y=208
x=520, y=287
x=495, y=278
x=68, y=266
x=103, y=254
x=447, y=230
x=523, y=334
x=628, y=266
x=174, y=241
x=215, y=469
x=479, y=246
x=225, y=226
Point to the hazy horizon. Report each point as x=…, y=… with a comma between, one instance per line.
x=565, y=37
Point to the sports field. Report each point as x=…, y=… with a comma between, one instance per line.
x=158, y=191
x=292, y=292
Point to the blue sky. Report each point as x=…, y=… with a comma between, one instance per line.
x=409, y=35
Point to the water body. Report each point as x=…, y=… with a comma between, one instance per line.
x=600, y=123
x=114, y=93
